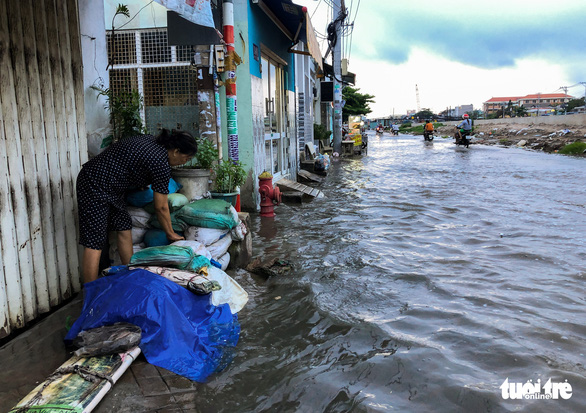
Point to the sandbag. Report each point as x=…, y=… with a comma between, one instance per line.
x=220, y=247
x=140, y=217
x=174, y=256
x=196, y=283
x=181, y=331
x=239, y=232
x=113, y=339
x=156, y=238
x=176, y=222
x=209, y=213
x=175, y=201
x=206, y=236
x=138, y=235
x=197, y=247
x=115, y=256
x=139, y=198
x=224, y=261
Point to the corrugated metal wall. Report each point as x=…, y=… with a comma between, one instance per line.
x=41, y=122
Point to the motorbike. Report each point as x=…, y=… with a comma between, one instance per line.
x=428, y=136
x=379, y=130
x=462, y=138
x=395, y=132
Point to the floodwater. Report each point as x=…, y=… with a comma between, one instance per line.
x=426, y=277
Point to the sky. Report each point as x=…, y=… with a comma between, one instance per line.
x=459, y=52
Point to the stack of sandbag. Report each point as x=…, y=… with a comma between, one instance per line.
x=141, y=208
x=213, y=223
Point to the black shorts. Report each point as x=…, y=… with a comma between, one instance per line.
x=99, y=212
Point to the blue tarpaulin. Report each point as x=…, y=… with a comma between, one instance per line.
x=181, y=332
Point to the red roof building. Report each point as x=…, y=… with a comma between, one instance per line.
x=534, y=101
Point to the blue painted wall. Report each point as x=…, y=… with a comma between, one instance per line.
x=262, y=30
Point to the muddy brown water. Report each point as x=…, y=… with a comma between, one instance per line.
x=426, y=277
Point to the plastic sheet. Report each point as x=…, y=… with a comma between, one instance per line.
x=181, y=332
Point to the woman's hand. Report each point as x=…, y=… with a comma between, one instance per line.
x=175, y=237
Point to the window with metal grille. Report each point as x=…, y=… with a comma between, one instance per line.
x=162, y=74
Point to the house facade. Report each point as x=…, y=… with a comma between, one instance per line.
x=533, y=101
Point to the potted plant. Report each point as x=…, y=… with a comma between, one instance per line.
x=229, y=175
x=194, y=176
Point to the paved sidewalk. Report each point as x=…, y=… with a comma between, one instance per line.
x=32, y=356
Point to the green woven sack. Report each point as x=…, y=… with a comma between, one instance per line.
x=174, y=256
x=209, y=213
x=176, y=222
x=176, y=201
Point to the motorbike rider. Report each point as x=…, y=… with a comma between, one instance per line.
x=395, y=128
x=465, y=128
x=428, y=129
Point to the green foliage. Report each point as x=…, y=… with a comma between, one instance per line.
x=574, y=103
x=124, y=109
x=206, y=155
x=228, y=175
x=356, y=102
x=405, y=126
x=417, y=130
x=424, y=114
x=576, y=148
x=520, y=111
x=320, y=132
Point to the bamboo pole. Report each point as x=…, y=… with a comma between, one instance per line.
x=16, y=173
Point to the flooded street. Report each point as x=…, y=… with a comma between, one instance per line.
x=426, y=277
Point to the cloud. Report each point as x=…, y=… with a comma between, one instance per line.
x=476, y=35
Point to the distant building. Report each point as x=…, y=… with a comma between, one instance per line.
x=534, y=101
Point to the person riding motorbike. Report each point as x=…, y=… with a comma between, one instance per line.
x=463, y=130
x=395, y=129
x=428, y=131
x=379, y=128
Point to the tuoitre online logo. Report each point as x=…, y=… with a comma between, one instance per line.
x=530, y=390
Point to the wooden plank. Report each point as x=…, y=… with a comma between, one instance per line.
x=71, y=142
x=46, y=268
x=52, y=94
x=15, y=176
x=36, y=277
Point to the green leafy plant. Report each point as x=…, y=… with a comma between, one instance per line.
x=206, y=155
x=124, y=108
x=228, y=175
x=320, y=132
x=576, y=148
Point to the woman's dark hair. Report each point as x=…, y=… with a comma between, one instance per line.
x=176, y=139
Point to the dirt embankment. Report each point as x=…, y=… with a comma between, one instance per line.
x=548, y=138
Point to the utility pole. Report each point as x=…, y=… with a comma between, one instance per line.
x=417, y=97
x=339, y=14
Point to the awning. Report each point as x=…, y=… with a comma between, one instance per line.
x=196, y=11
x=294, y=22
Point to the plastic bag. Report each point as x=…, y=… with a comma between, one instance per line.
x=209, y=213
x=100, y=341
x=156, y=238
x=239, y=232
x=181, y=331
x=174, y=256
x=224, y=261
x=206, y=236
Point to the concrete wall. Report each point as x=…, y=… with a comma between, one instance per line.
x=578, y=119
x=95, y=59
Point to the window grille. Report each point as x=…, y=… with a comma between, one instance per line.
x=163, y=75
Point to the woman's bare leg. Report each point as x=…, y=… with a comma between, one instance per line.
x=91, y=264
x=125, y=246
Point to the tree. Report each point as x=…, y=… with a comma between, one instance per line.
x=574, y=103
x=356, y=102
x=425, y=114
x=520, y=111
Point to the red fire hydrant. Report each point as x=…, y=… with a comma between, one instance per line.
x=269, y=196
